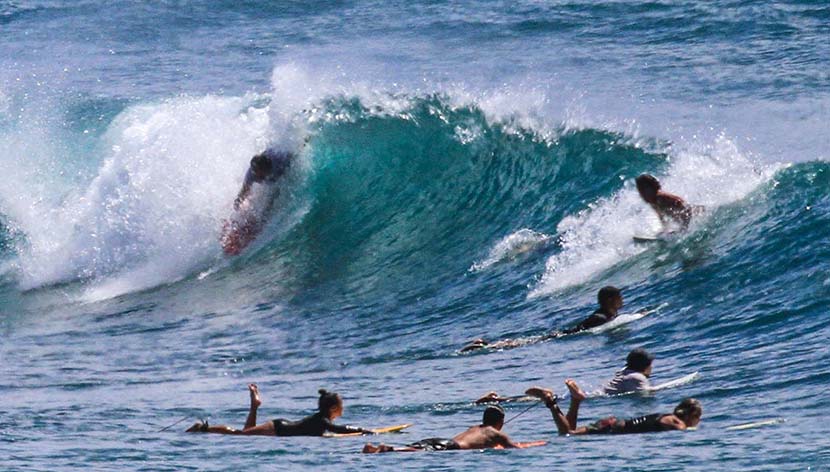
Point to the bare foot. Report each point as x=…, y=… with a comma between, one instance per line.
x=369, y=448
x=255, y=401
x=489, y=397
x=576, y=392
x=541, y=393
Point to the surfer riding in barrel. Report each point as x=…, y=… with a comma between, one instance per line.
x=329, y=408
x=685, y=415
x=253, y=203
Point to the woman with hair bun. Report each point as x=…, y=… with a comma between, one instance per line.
x=329, y=408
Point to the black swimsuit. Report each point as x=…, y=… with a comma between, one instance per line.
x=314, y=425
x=435, y=444
x=642, y=424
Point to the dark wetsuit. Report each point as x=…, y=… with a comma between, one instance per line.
x=435, y=444
x=598, y=318
x=314, y=425
x=280, y=160
x=642, y=424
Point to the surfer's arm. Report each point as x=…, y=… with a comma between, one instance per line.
x=504, y=441
x=344, y=429
x=243, y=194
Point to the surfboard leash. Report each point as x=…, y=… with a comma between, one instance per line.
x=174, y=424
x=523, y=412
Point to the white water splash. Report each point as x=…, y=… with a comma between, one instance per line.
x=599, y=237
x=511, y=247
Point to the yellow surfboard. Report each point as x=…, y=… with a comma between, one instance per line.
x=388, y=429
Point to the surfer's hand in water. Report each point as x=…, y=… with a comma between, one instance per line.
x=474, y=344
x=490, y=397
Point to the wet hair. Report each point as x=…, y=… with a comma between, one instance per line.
x=647, y=181
x=639, y=359
x=327, y=401
x=493, y=416
x=606, y=294
x=261, y=162
x=688, y=407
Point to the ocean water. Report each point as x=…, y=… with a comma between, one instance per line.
x=465, y=169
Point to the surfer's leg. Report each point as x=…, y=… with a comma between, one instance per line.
x=250, y=422
x=549, y=398
x=577, y=395
x=370, y=448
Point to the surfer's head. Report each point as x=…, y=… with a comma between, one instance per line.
x=330, y=404
x=639, y=360
x=648, y=186
x=261, y=166
x=610, y=298
x=493, y=416
x=689, y=411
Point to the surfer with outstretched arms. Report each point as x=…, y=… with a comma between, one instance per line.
x=633, y=378
x=487, y=435
x=685, y=415
x=669, y=207
x=610, y=301
x=250, y=213
x=329, y=408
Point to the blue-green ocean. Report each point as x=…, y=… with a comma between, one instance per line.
x=465, y=169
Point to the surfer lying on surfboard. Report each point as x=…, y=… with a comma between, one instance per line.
x=487, y=435
x=685, y=415
x=633, y=378
x=610, y=301
x=329, y=408
x=265, y=170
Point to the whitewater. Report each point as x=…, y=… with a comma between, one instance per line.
x=463, y=170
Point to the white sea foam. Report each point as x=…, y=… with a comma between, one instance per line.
x=152, y=212
x=512, y=246
x=600, y=236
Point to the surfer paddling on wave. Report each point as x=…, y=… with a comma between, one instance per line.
x=484, y=436
x=669, y=207
x=329, y=408
x=633, y=378
x=686, y=415
x=266, y=169
x=610, y=301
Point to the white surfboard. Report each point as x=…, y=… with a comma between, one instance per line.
x=756, y=424
x=686, y=379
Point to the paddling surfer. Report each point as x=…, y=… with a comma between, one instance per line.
x=487, y=435
x=685, y=415
x=610, y=301
x=329, y=408
x=633, y=378
x=669, y=207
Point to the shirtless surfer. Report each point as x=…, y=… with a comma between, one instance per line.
x=685, y=415
x=484, y=436
x=610, y=301
x=669, y=207
x=329, y=408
